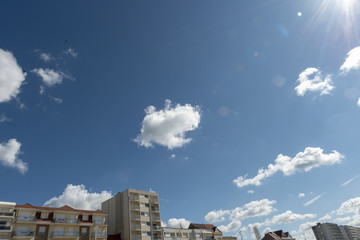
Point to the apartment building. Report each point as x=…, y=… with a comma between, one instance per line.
x=327, y=231
x=48, y=223
x=195, y=232
x=7, y=215
x=133, y=215
x=350, y=232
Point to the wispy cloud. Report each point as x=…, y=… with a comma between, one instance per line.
x=311, y=79
x=4, y=118
x=313, y=200
x=301, y=195
x=71, y=52
x=167, y=127
x=303, y=161
x=352, y=60
x=46, y=57
x=348, y=181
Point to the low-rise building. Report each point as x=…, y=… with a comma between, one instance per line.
x=195, y=232
x=278, y=235
x=48, y=223
x=7, y=215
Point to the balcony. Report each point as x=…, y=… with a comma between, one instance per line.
x=156, y=228
x=155, y=209
x=135, y=227
x=7, y=214
x=135, y=237
x=4, y=228
x=99, y=235
x=25, y=219
x=62, y=220
x=63, y=234
x=134, y=198
x=155, y=218
x=154, y=200
x=135, y=217
x=134, y=207
x=23, y=234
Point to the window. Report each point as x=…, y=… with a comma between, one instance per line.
x=42, y=231
x=185, y=235
x=84, y=232
x=145, y=234
x=166, y=234
x=178, y=235
x=145, y=214
x=172, y=234
x=85, y=217
x=144, y=204
x=198, y=235
x=144, y=196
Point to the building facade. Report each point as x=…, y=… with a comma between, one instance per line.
x=7, y=216
x=66, y=223
x=350, y=232
x=134, y=215
x=327, y=231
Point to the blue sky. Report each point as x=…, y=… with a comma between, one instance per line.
x=187, y=98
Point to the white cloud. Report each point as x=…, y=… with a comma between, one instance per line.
x=251, y=191
x=57, y=100
x=4, y=118
x=46, y=57
x=9, y=153
x=326, y=217
x=77, y=196
x=303, y=161
x=232, y=226
x=358, y=102
x=11, y=76
x=163, y=224
x=172, y=156
x=289, y=217
x=352, y=60
x=178, y=222
x=167, y=127
x=235, y=216
x=313, y=200
x=342, y=220
x=348, y=181
x=311, y=79
x=71, y=52
x=301, y=195
x=49, y=77
x=216, y=216
x=350, y=206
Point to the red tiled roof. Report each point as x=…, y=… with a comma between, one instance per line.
x=64, y=208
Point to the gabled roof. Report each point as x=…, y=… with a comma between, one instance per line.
x=204, y=226
x=64, y=208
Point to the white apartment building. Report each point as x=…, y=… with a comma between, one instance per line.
x=7, y=216
x=133, y=215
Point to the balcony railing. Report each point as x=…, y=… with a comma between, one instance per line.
x=23, y=234
x=156, y=227
x=62, y=220
x=155, y=218
x=25, y=219
x=6, y=214
x=136, y=238
x=135, y=227
x=100, y=222
x=99, y=235
x=134, y=207
x=155, y=209
x=134, y=198
x=64, y=234
x=154, y=200
x=135, y=217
